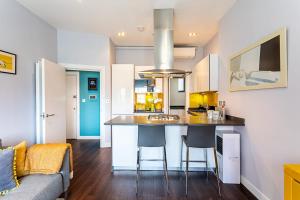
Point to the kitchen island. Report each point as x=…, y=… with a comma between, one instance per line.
x=125, y=136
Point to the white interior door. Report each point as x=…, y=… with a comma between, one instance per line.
x=72, y=97
x=50, y=102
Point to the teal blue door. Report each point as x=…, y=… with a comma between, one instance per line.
x=89, y=103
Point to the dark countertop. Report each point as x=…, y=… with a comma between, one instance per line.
x=188, y=119
x=149, y=112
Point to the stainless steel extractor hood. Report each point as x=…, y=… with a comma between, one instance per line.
x=163, y=47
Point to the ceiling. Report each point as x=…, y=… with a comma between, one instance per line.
x=108, y=17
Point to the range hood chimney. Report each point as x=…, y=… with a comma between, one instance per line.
x=163, y=38
x=163, y=47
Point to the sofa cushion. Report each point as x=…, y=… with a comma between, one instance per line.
x=37, y=187
x=8, y=178
x=20, y=158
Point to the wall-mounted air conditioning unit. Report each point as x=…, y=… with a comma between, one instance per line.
x=184, y=52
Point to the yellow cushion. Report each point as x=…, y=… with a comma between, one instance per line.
x=20, y=158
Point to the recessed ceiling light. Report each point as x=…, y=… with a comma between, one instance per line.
x=79, y=1
x=192, y=34
x=121, y=34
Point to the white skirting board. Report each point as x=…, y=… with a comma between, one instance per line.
x=254, y=190
x=104, y=144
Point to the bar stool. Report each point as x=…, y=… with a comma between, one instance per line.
x=199, y=137
x=151, y=136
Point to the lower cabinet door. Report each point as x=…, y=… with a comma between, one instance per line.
x=295, y=190
x=291, y=188
x=124, y=147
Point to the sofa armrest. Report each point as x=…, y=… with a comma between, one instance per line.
x=65, y=171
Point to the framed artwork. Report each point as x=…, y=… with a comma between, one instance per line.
x=8, y=62
x=92, y=84
x=260, y=66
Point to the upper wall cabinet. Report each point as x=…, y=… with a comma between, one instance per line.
x=205, y=75
x=122, y=89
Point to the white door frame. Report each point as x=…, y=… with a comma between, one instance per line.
x=101, y=69
x=76, y=73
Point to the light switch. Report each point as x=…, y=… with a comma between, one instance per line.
x=83, y=100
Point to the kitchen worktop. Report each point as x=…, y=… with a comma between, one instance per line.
x=199, y=119
x=143, y=111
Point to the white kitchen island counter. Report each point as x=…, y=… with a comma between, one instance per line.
x=125, y=136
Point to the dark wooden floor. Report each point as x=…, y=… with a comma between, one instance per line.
x=93, y=180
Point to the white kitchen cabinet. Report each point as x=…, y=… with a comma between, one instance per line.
x=205, y=75
x=195, y=79
x=122, y=89
x=124, y=147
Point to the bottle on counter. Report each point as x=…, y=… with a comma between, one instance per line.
x=222, y=110
x=152, y=107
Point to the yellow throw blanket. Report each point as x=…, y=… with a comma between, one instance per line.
x=47, y=158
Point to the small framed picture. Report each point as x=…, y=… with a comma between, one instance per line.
x=8, y=62
x=92, y=83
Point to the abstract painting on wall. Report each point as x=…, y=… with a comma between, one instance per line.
x=8, y=62
x=260, y=66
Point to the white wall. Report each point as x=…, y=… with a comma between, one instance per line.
x=145, y=57
x=91, y=50
x=82, y=48
x=271, y=135
x=30, y=38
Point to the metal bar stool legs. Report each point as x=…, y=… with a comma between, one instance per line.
x=165, y=166
x=216, y=170
x=151, y=136
x=181, y=161
x=137, y=170
x=187, y=170
x=206, y=164
x=166, y=169
x=202, y=137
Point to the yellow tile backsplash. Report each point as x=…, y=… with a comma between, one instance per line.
x=149, y=101
x=203, y=99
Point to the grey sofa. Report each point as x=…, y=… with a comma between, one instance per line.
x=42, y=187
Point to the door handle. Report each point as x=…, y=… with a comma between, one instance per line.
x=50, y=115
